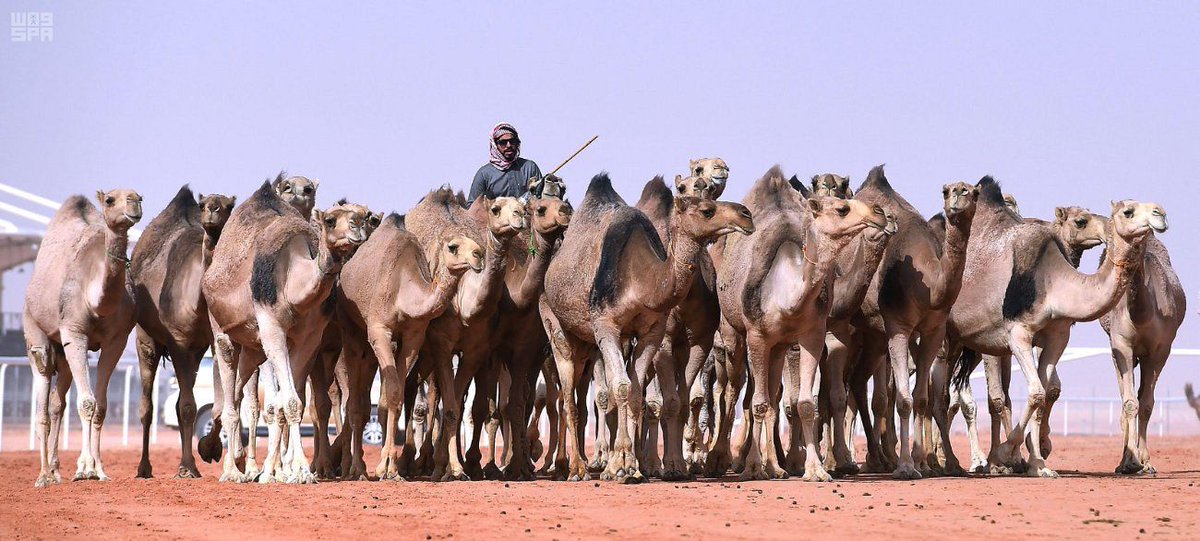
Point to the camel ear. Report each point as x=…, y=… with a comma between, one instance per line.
x=1060, y=214
x=846, y=185
x=678, y=180
x=945, y=191
x=199, y=197
x=814, y=205
x=100, y=196
x=318, y=217
x=375, y=219
x=232, y=200
x=974, y=192
x=815, y=179
x=316, y=182
x=1115, y=205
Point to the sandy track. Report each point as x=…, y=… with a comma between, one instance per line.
x=1087, y=502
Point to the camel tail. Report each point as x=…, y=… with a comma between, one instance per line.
x=964, y=366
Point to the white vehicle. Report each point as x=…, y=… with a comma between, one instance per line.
x=203, y=391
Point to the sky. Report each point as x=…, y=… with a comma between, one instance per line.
x=384, y=102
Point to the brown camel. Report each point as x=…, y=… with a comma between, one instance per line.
x=386, y=297
x=1011, y=203
x=712, y=171
x=520, y=341
x=1023, y=292
x=905, y=312
x=1142, y=328
x=297, y=191
x=775, y=290
x=265, y=289
x=614, y=279
x=689, y=338
x=1076, y=230
x=465, y=328
x=172, y=317
x=78, y=300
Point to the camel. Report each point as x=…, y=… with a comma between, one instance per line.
x=297, y=191
x=78, y=300
x=831, y=185
x=465, y=328
x=1076, y=230
x=386, y=297
x=172, y=318
x=1191, y=398
x=1011, y=202
x=712, y=171
x=519, y=339
x=614, y=278
x=1023, y=292
x=265, y=289
x=690, y=329
x=905, y=311
x=1142, y=327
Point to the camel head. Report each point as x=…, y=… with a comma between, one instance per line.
x=460, y=254
x=712, y=170
x=881, y=234
x=505, y=216
x=843, y=218
x=1134, y=219
x=549, y=216
x=214, y=211
x=959, y=200
x=345, y=227
x=121, y=208
x=831, y=185
x=297, y=191
x=1080, y=228
x=1010, y=202
x=695, y=186
x=547, y=187
x=702, y=219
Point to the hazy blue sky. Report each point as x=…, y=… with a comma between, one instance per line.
x=1063, y=106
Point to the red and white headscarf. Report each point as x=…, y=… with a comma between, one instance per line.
x=497, y=158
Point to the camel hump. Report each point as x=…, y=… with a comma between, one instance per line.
x=989, y=192
x=877, y=180
x=772, y=190
x=265, y=199
x=77, y=207
x=393, y=220
x=620, y=232
x=657, y=199
x=600, y=194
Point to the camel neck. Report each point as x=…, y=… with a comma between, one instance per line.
x=210, y=244
x=491, y=278
x=436, y=295
x=680, y=268
x=533, y=280
x=116, y=264
x=851, y=288
x=952, y=262
x=1087, y=297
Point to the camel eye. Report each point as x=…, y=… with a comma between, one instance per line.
x=287, y=188
x=109, y=200
x=495, y=211
x=681, y=188
x=843, y=211
x=453, y=248
x=879, y=210
x=541, y=211
x=1129, y=213
x=709, y=212
x=330, y=221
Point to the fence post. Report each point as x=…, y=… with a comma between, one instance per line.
x=1110, y=418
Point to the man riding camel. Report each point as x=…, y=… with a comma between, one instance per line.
x=506, y=174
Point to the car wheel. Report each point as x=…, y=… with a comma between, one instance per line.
x=373, y=432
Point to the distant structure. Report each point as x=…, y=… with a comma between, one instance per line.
x=21, y=231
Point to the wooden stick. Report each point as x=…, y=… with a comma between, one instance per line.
x=585, y=145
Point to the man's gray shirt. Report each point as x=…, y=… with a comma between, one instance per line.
x=495, y=183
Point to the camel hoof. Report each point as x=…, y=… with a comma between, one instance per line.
x=232, y=477
x=454, y=476
x=43, y=481
x=187, y=473
x=653, y=470
x=1043, y=472
x=849, y=468
x=677, y=475
x=1148, y=470
x=597, y=466
x=754, y=473
x=580, y=477
x=954, y=470
x=522, y=472
x=979, y=466
x=492, y=473
x=817, y=475
x=264, y=478
x=145, y=471
x=209, y=448
x=1129, y=468
x=632, y=479
x=906, y=472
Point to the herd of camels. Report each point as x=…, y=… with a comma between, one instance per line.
x=802, y=294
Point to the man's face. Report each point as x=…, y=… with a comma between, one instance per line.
x=508, y=145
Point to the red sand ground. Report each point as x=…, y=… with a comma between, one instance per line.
x=1089, y=501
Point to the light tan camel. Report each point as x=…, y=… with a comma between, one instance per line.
x=297, y=191
x=520, y=342
x=78, y=300
x=1076, y=231
x=905, y=312
x=172, y=317
x=1023, y=292
x=713, y=171
x=265, y=288
x=386, y=296
x=775, y=290
x=1142, y=327
x=464, y=329
x=613, y=279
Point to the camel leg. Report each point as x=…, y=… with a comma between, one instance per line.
x=58, y=407
x=486, y=397
x=75, y=348
x=495, y=425
x=148, y=360
x=556, y=456
x=522, y=370
x=966, y=400
x=648, y=459
x=622, y=463
x=806, y=405
x=533, y=432
x=733, y=371
x=276, y=424
x=1021, y=345
x=691, y=395
x=942, y=410
x=924, y=354
x=673, y=396
x=225, y=362
x=322, y=408
x=1038, y=439
x=833, y=373
x=360, y=370
x=446, y=463
x=187, y=363
x=766, y=370
x=602, y=403
x=210, y=447
x=1151, y=368
x=1123, y=361
x=391, y=396
x=248, y=376
x=43, y=365
x=570, y=357
x=795, y=456
x=898, y=350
